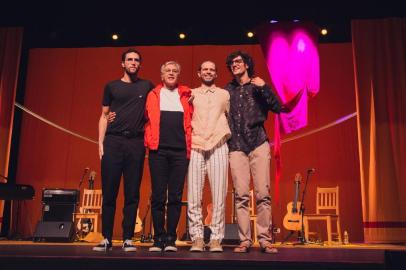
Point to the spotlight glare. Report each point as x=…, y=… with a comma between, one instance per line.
x=324, y=31
x=250, y=34
x=182, y=36
x=114, y=36
x=273, y=21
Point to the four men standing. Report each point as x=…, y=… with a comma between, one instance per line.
x=201, y=126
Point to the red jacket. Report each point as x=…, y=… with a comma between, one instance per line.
x=153, y=114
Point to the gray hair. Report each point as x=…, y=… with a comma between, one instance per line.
x=170, y=63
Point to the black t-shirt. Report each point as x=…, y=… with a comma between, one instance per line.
x=127, y=100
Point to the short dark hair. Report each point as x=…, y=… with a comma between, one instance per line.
x=245, y=57
x=130, y=50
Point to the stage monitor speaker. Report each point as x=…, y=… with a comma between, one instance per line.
x=57, y=195
x=59, y=204
x=58, y=212
x=231, y=234
x=54, y=231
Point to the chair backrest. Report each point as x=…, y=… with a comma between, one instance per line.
x=327, y=200
x=92, y=199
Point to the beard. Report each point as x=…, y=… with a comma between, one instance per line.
x=208, y=82
x=132, y=75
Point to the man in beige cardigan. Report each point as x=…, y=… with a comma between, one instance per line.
x=209, y=156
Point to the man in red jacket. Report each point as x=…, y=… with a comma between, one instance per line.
x=168, y=138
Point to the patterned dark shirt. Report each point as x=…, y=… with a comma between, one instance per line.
x=249, y=106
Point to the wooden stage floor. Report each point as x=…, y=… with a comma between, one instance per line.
x=78, y=255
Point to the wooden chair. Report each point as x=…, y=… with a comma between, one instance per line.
x=91, y=207
x=327, y=209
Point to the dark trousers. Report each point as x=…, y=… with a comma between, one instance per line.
x=168, y=170
x=122, y=157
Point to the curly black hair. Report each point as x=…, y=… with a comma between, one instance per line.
x=245, y=57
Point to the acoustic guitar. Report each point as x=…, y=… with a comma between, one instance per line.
x=293, y=219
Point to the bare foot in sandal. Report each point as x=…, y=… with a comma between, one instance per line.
x=268, y=248
x=242, y=248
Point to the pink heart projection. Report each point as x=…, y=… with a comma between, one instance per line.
x=293, y=63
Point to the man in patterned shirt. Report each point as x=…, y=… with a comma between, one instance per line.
x=250, y=100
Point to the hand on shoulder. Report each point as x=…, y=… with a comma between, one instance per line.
x=257, y=81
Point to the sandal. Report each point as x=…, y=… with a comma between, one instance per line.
x=242, y=248
x=268, y=248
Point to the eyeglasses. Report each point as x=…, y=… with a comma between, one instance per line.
x=236, y=61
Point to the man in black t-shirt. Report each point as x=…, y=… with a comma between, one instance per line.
x=121, y=148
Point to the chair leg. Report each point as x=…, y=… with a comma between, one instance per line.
x=254, y=230
x=96, y=224
x=329, y=235
x=339, y=230
x=306, y=228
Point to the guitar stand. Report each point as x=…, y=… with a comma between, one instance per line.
x=301, y=234
x=300, y=238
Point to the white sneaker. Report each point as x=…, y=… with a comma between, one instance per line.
x=215, y=246
x=104, y=245
x=156, y=247
x=198, y=245
x=128, y=246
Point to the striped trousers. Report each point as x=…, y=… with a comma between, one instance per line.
x=214, y=163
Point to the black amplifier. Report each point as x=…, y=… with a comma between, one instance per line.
x=60, y=196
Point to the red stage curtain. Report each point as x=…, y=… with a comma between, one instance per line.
x=10, y=49
x=379, y=51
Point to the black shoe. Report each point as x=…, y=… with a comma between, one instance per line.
x=104, y=245
x=171, y=247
